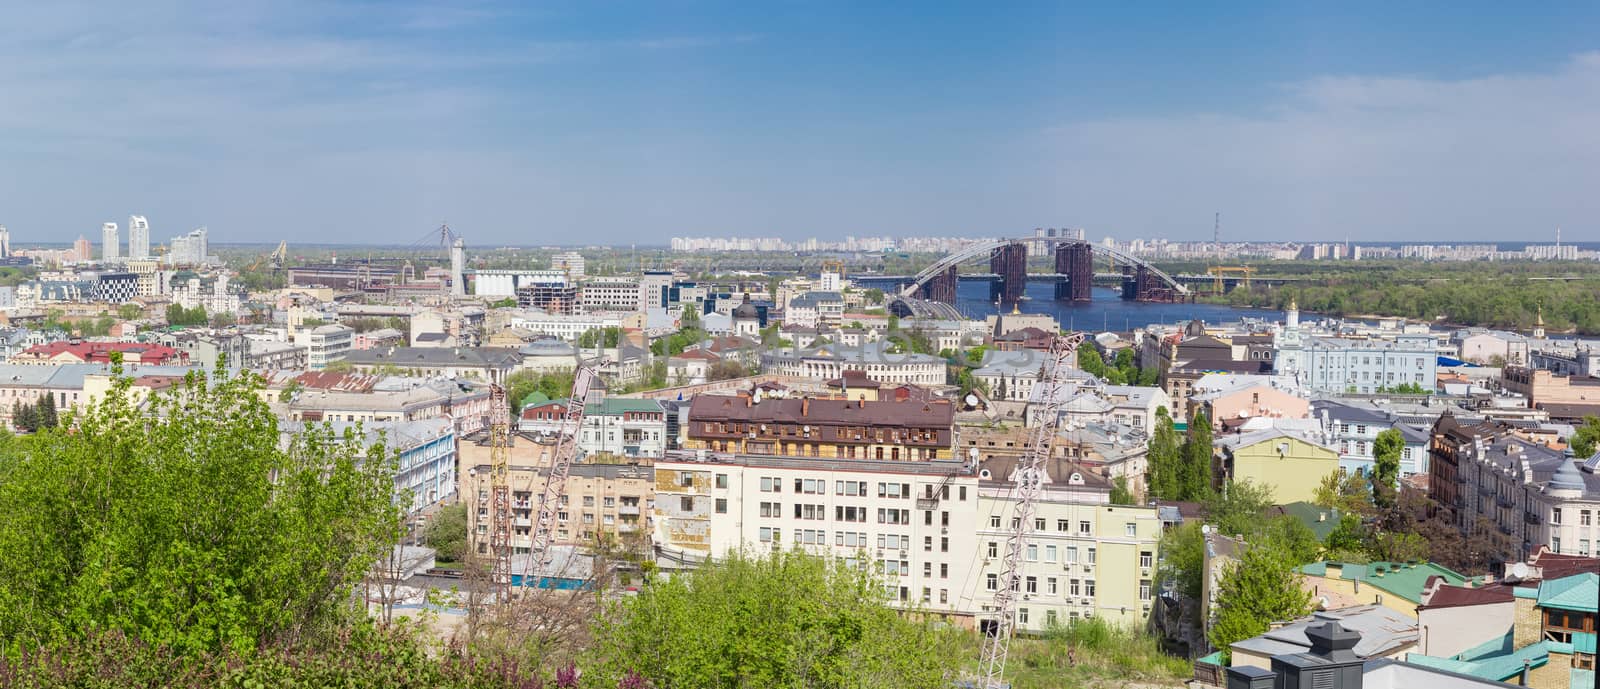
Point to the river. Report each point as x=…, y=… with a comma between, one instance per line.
x=1108, y=310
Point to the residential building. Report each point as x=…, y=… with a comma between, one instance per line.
x=610, y=294
x=191, y=249
x=1084, y=557
x=138, y=238
x=425, y=457
x=1483, y=346
x=911, y=522
x=601, y=501
x=1384, y=632
x=1353, y=429
x=1524, y=493
x=1290, y=463
x=488, y=364
x=614, y=426
x=566, y=327
x=896, y=430
x=111, y=245
x=1546, y=638
x=815, y=310
x=1332, y=663
x=1565, y=397
x=831, y=361
x=1232, y=400
x=1398, y=586
x=1333, y=364
x=325, y=344
x=363, y=398
x=82, y=352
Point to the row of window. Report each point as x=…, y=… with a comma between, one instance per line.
x=1085, y=527
x=1585, y=517
x=856, y=539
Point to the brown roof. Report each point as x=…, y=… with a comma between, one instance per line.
x=909, y=414
x=1557, y=565
x=1059, y=469
x=1448, y=596
x=341, y=382
x=854, y=379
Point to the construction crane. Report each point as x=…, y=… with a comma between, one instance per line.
x=561, y=458
x=276, y=259
x=1220, y=273
x=1029, y=482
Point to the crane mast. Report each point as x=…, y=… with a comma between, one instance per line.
x=500, y=487
x=1029, y=482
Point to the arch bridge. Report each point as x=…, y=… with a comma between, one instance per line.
x=1074, y=264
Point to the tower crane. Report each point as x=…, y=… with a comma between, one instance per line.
x=1029, y=482
x=561, y=459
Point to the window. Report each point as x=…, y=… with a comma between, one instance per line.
x=722, y=505
x=1050, y=585
x=944, y=544
x=686, y=503
x=1038, y=524
x=927, y=571
x=927, y=544
x=765, y=534
x=1049, y=553
x=1555, y=516
x=944, y=595
x=1583, y=517
x=588, y=501
x=1033, y=552
x=1084, y=528
x=1130, y=529
x=1032, y=585
x=963, y=498
x=1144, y=589
x=1088, y=587
x=992, y=582
x=686, y=479
x=1072, y=587
x=1555, y=543
x=944, y=570
x=722, y=480
x=1063, y=525
x=1145, y=559
x=1090, y=559
x=994, y=521
x=1022, y=615
x=994, y=549
x=1072, y=555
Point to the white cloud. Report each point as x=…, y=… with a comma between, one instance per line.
x=1378, y=158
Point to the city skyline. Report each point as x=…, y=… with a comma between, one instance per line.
x=531, y=126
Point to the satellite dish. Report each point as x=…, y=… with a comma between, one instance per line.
x=972, y=400
x=757, y=396
x=1520, y=570
x=1205, y=529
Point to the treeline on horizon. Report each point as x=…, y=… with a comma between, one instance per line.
x=1495, y=295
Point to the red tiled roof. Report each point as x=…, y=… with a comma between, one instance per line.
x=1447, y=596
x=101, y=351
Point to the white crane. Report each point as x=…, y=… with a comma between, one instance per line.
x=1029, y=479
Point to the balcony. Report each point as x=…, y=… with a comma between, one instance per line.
x=1484, y=489
x=1505, y=529
x=927, y=503
x=1504, y=501
x=1532, y=518
x=628, y=509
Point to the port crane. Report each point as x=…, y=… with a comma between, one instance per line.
x=563, y=454
x=1029, y=480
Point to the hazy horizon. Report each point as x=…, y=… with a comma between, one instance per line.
x=530, y=125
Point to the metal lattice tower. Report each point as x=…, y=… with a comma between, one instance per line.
x=500, y=486
x=1029, y=479
x=561, y=459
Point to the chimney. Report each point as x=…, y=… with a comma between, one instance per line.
x=805, y=406
x=1250, y=677
x=1331, y=662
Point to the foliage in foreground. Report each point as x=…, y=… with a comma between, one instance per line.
x=179, y=520
x=360, y=657
x=1085, y=652
x=1261, y=588
x=784, y=619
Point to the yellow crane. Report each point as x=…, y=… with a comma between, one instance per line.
x=278, y=257
x=1219, y=273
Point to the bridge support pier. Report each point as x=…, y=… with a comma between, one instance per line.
x=1076, y=261
x=1010, y=262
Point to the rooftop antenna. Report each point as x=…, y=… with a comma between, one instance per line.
x=1216, y=234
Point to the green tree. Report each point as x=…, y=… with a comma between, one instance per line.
x=1585, y=439
x=1349, y=536
x=181, y=520
x=1091, y=361
x=1239, y=508
x=446, y=532
x=1261, y=588
x=1348, y=494
x=46, y=410
x=1119, y=491
x=784, y=619
x=554, y=385
x=1165, y=459
x=1194, y=480
x=1386, y=451
x=506, y=303
x=129, y=312
x=1183, y=559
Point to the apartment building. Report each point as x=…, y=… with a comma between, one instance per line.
x=1353, y=430
x=1565, y=397
x=1495, y=477
x=875, y=358
x=325, y=344
x=565, y=327
x=894, y=430
x=615, y=426
x=84, y=352
x=912, y=522
x=425, y=455
x=1084, y=557
x=392, y=399
x=610, y=294
x=1334, y=364
x=602, y=501
x=489, y=364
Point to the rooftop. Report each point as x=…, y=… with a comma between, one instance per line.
x=1406, y=580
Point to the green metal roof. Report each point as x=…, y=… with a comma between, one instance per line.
x=1309, y=514
x=1399, y=579
x=614, y=406
x=535, y=398
x=1577, y=592
x=1493, y=660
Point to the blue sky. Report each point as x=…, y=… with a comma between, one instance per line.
x=601, y=122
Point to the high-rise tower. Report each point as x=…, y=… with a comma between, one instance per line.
x=138, y=237
x=110, y=243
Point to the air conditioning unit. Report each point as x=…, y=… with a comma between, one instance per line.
x=944, y=530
